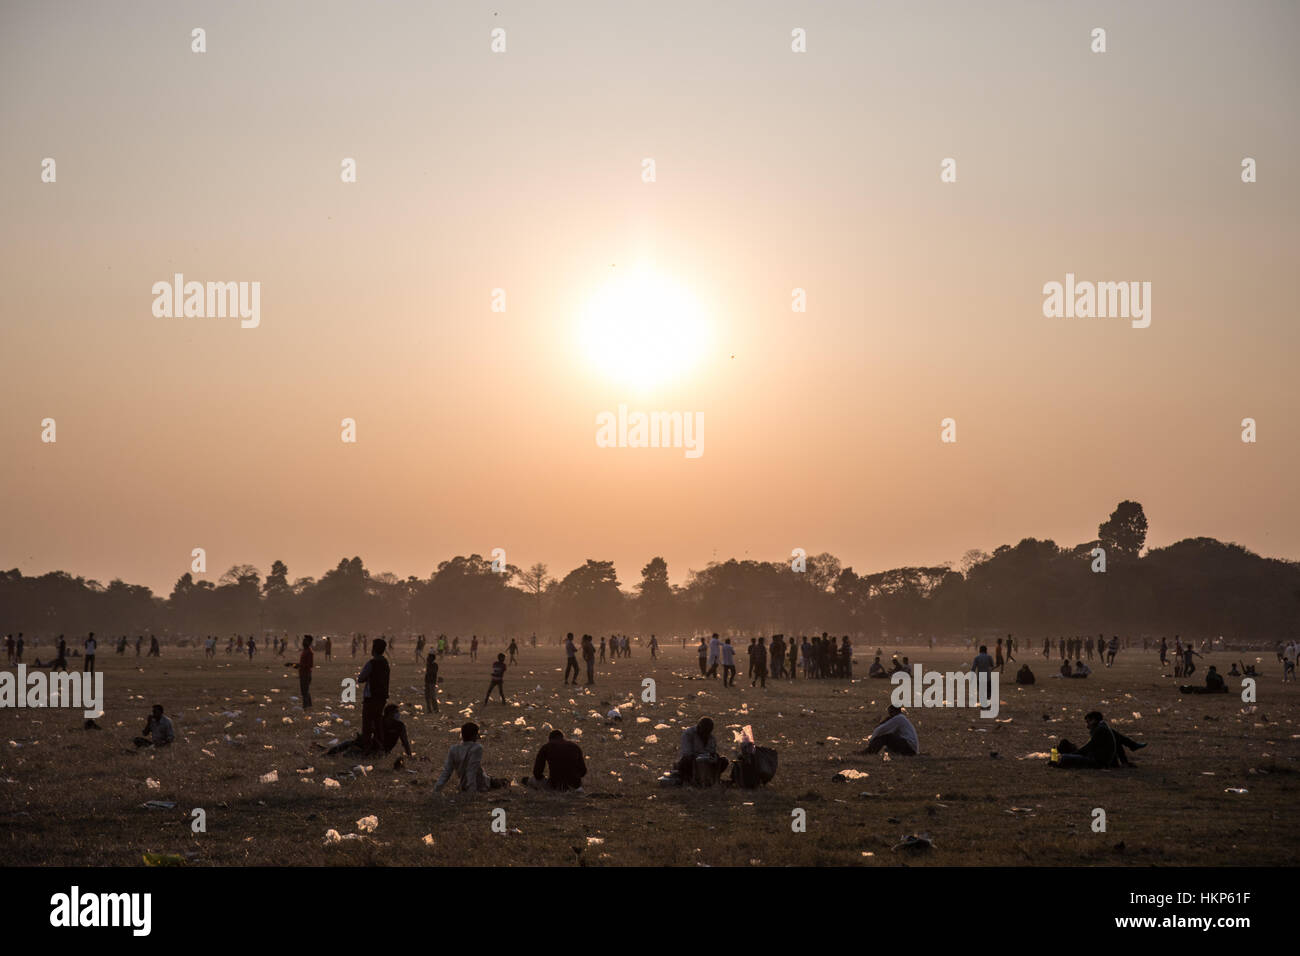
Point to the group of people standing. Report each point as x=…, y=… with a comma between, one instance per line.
x=821, y=657
x=1077, y=648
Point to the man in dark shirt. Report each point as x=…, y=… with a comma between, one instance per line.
x=305, y=661
x=498, y=678
x=375, y=676
x=1101, y=750
x=568, y=766
x=393, y=731
x=1214, y=684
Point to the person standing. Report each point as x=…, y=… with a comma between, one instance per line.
x=760, y=663
x=473, y=648
x=570, y=659
x=728, y=664
x=654, y=648
x=431, y=683
x=305, y=662
x=715, y=651
x=88, y=648
x=589, y=655
x=329, y=655
x=983, y=668
x=602, y=650
x=1011, y=649
x=375, y=676
x=704, y=657
x=513, y=649
x=498, y=678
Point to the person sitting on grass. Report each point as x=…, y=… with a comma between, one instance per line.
x=698, y=762
x=1081, y=669
x=1024, y=675
x=1105, y=747
x=465, y=759
x=567, y=764
x=1214, y=684
x=1065, y=668
x=895, y=734
x=877, y=669
x=392, y=731
x=158, y=730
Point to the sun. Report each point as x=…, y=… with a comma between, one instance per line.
x=642, y=329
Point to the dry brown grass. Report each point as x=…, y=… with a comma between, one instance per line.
x=72, y=797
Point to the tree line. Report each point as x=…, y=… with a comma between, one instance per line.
x=1198, y=587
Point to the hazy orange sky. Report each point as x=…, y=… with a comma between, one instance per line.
x=523, y=171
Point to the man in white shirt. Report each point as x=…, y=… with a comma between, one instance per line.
x=89, y=650
x=896, y=734
x=715, y=651
x=728, y=664
x=465, y=759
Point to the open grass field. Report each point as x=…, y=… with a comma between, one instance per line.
x=74, y=797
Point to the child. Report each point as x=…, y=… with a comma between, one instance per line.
x=498, y=675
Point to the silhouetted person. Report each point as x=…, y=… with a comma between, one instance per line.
x=88, y=648
x=1105, y=747
x=375, y=676
x=1214, y=684
x=158, y=730
x=431, y=683
x=760, y=664
x=589, y=655
x=566, y=762
x=305, y=662
x=570, y=659
x=498, y=678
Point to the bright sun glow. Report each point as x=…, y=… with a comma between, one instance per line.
x=642, y=329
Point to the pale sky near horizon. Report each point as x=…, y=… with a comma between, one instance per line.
x=523, y=171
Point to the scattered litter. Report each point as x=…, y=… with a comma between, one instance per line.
x=427, y=839
x=368, y=824
x=850, y=774
x=331, y=783
x=1236, y=790
x=161, y=805
x=914, y=841
x=271, y=777
x=152, y=784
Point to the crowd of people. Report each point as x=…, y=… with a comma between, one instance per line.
x=560, y=763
